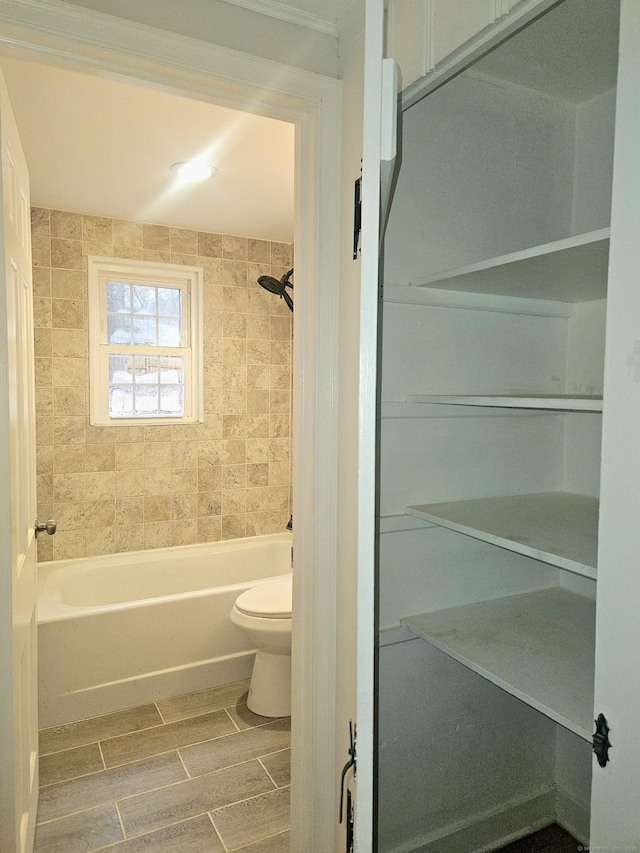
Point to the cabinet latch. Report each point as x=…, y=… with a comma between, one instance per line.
x=601, y=742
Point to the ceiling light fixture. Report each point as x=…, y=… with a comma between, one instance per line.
x=194, y=170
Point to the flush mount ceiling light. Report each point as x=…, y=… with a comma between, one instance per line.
x=194, y=170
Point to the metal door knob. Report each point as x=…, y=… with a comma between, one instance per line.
x=49, y=527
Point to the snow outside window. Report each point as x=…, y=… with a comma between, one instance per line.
x=145, y=342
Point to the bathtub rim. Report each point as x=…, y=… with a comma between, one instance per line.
x=51, y=609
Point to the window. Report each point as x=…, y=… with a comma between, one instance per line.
x=145, y=342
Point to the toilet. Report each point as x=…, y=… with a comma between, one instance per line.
x=263, y=614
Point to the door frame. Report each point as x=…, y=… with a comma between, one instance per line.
x=83, y=40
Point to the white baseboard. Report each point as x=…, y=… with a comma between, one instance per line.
x=490, y=830
x=98, y=699
x=573, y=815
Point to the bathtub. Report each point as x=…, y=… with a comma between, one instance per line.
x=126, y=629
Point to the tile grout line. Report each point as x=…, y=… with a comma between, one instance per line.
x=164, y=722
x=260, y=840
x=186, y=770
x=267, y=772
x=117, y=808
x=232, y=720
x=215, y=829
x=104, y=763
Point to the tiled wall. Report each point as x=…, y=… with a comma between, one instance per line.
x=128, y=488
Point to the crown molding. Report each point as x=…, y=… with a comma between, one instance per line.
x=289, y=14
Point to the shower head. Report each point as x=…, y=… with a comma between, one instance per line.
x=278, y=287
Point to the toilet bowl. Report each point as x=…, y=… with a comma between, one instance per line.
x=263, y=614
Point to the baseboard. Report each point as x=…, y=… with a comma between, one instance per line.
x=573, y=815
x=56, y=710
x=490, y=830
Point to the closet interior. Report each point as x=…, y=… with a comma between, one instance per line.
x=492, y=366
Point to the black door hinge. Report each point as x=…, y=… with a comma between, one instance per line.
x=350, y=763
x=601, y=742
x=357, y=217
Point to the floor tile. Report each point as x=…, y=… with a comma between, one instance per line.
x=153, y=741
x=80, y=832
x=236, y=748
x=98, y=728
x=246, y=719
x=278, y=766
x=64, y=798
x=203, y=702
x=277, y=844
x=246, y=822
x=58, y=766
x=150, y=811
x=191, y=836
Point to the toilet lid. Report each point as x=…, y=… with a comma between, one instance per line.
x=272, y=599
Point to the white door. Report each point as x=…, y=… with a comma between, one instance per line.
x=363, y=142
x=18, y=675
x=615, y=811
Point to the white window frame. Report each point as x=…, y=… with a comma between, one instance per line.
x=189, y=280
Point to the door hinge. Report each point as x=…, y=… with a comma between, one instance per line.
x=350, y=763
x=357, y=217
x=601, y=742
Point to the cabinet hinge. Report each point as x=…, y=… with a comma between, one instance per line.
x=601, y=742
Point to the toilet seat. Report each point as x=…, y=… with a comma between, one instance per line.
x=270, y=600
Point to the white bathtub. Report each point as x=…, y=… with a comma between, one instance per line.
x=126, y=629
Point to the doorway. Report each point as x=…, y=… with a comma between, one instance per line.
x=239, y=81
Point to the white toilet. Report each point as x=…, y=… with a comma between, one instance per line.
x=263, y=614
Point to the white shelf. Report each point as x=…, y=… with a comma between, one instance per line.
x=569, y=270
x=395, y=410
x=538, y=647
x=559, y=528
x=434, y=298
x=550, y=402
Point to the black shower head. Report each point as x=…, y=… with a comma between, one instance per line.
x=278, y=287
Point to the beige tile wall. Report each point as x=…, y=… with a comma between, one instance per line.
x=129, y=488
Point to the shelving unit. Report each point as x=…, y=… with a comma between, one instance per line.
x=496, y=319
x=557, y=528
x=550, y=402
x=569, y=270
x=538, y=647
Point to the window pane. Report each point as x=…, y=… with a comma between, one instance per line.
x=144, y=386
x=144, y=299
x=120, y=371
x=120, y=401
x=144, y=331
x=118, y=296
x=146, y=400
x=119, y=328
x=169, y=302
x=171, y=400
x=169, y=332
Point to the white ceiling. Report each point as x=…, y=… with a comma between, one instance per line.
x=102, y=147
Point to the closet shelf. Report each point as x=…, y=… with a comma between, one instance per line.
x=538, y=646
x=570, y=270
x=552, y=402
x=559, y=528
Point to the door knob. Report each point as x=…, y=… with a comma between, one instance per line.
x=49, y=526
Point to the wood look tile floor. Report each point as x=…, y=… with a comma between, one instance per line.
x=195, y=774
